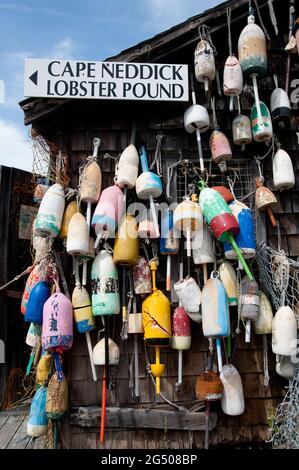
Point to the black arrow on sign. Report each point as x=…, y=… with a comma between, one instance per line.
x=33, y=77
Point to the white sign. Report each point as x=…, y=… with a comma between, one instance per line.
x=27, y=216
x=105, y=80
